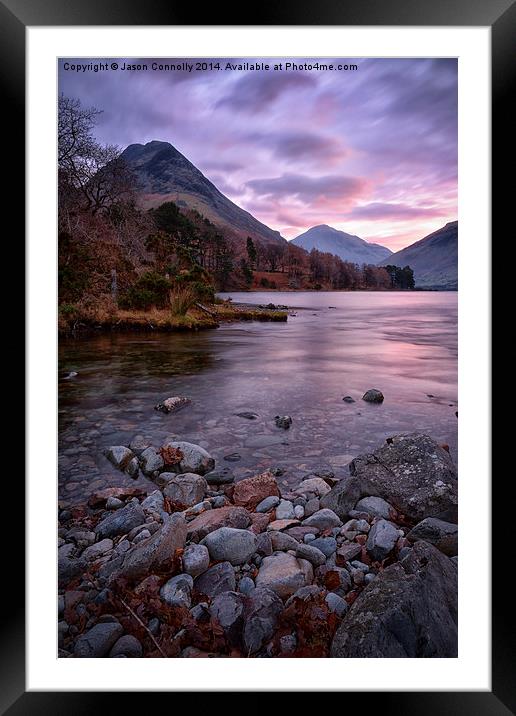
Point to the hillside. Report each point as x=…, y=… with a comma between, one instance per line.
x=347, y=246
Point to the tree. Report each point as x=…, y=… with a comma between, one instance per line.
x=251, y=252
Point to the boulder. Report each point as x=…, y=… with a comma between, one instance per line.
x=156, y=553
x=98, y=640
x=250, y=492
x=154, y=502
x=323, y=519
x=119, y=455
x=151, y=461
x=373, y=396
x=268, y=504
x=443, y=535
x=375, y=506
x=196, y=559
x=284, y=574
x=211, y=520
x=128, y=646
x=382, y=539
x=177, y=591
x=412, y=472
x=122, y=521
x=227, y=609
x=230, y=545
x=313, y=485
x=262, y=610
x=195, y=458
x=216, y=580
x=409, y=610
x=186, y=489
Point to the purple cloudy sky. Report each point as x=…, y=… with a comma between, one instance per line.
x=371, y=152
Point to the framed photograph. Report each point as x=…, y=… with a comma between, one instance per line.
x=258, y=286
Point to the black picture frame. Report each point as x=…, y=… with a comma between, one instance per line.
x=500, y=16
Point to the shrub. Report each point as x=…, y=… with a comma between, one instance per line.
x=181, y=299
x=151, y=289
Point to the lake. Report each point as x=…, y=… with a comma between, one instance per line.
x=333, y=345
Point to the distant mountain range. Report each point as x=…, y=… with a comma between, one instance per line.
x=433, y=259
x=164, y=174
x=349, y=247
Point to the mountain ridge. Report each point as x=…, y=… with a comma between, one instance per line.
x=348, y=247
x=164, y=174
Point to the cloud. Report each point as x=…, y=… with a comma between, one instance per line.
x=394, y=212
x=309, y=189
x=256, y=92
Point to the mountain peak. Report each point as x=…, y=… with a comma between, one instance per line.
x=347, y=246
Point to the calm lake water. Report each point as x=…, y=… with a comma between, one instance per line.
x=333, y=345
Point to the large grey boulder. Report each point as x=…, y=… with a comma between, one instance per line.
x=151, y=461
x=262, y=610
x=443, y=535
x=408, y=610
x=98, y=640
x=122, y=521
x=382, y=539
x=231, y=545
x=412, y=472
x=284, y=573
x=156, y=553
x=323, y=519
x=186, y=490
x=195, y=458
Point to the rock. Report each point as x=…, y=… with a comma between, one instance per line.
x=211, y=520
x=223, y=476
x=408, y=610
x=177, y=591
x=113, y=503
x=201, y=612
x=231, y=545
x=196, y=559
x=282, y=524
x=336, y=604
x=323, y=519
x=264, y=544
x=308, y=537
x=138, y=444
x=247, y=415
x=313, y=485
x=172, y=405
x=250, y=492
x=299, y=512
x=141, y=536
x=267, y=504
x=246, y=585
x=156, y=553
x=313, y=505
x=261, y=614
x=154, y=502
x=312, y=554
x=97, y=550
x=127, y=646
x=283, y=421
x=121, y=522
x=304, y=593
x=259, y=522
x=348, y=552
x=412, y=472
x=298, y=533
x=382, y=539
x=282, y=542
x=348, y=399
x=151, y=461
x=337, y=579
x=326, y=545
x=97, y=499
x=443, y=535
x=288, y=643
x=228, y=610
x=375, y=506
x=216, y=580
x=232, y=457
x=373, y=396
x=98, y=640
x=186, y=489
x=284, y=574
x=119, y=456
x=195, y=458
x=285, y=511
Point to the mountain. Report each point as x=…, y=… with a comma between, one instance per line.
x=164, y=174
x=433, y=259
x=348, y=247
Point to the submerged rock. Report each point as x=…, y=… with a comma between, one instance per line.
x=172, y=405
x=373, y=396
x=408, y=610
x=283, y=421
x=119, y=455
x=412, y=472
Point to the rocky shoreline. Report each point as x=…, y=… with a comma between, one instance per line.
x=206, y=566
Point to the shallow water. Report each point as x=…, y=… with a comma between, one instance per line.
x=334, y=344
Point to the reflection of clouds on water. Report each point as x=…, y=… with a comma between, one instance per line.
x=403, y=344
